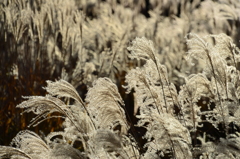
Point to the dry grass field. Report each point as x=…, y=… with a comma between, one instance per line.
x=140, y=79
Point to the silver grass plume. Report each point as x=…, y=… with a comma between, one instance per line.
x=63, y=151
x=105, y=105
x=201, y=48
x=143, y=49
x=44, y=106
x=146, y=84
x=65, y=140
x=107, y=140
x=145, y=92
x=229, y=53
x=220, y=57
x=213, y=55
x=165, y=133
x=77, y=122
x=62, y=88
x=197, y=86
x=13, y=153
x=107, y=143
x=18, y=19
x=31, y=144
x=227, y=148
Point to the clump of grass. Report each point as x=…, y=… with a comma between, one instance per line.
x=175, y=122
